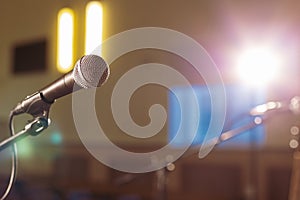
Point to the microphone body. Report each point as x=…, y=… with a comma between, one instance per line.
x=89, y=72
x=59, y=88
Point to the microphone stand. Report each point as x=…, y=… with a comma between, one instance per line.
x=39, y=110
x=258, y=119
x=33, y=128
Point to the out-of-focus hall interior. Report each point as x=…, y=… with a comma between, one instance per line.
x=202, y=101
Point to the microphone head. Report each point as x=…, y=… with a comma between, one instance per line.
x=90, y=71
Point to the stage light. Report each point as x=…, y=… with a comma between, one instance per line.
x=65, y=40
x=93, y=26
x=258, y=65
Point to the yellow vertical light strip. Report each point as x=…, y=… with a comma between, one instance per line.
x=93, y=26
x=65, y=40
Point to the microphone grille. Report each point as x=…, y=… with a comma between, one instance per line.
x=90, y=71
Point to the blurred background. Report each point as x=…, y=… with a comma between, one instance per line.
x=254, y=44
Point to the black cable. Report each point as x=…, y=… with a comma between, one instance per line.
x=14, y=165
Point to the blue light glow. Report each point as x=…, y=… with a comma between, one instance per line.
x=56, y=138
x=240, y=100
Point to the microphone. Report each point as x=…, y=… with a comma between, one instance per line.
x=293, y=106
x=90, y=71
x=264, y=108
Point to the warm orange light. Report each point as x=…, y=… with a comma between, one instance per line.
x=65, y=40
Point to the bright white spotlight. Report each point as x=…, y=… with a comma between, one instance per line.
x=258, y=66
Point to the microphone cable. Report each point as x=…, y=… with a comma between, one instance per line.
x=14, y=163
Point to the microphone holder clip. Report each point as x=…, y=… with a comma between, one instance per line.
x=33, y=128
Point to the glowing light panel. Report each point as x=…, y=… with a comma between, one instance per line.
x=239, y=102
x=93, y=29
x=65, y=38
x=258, y=65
